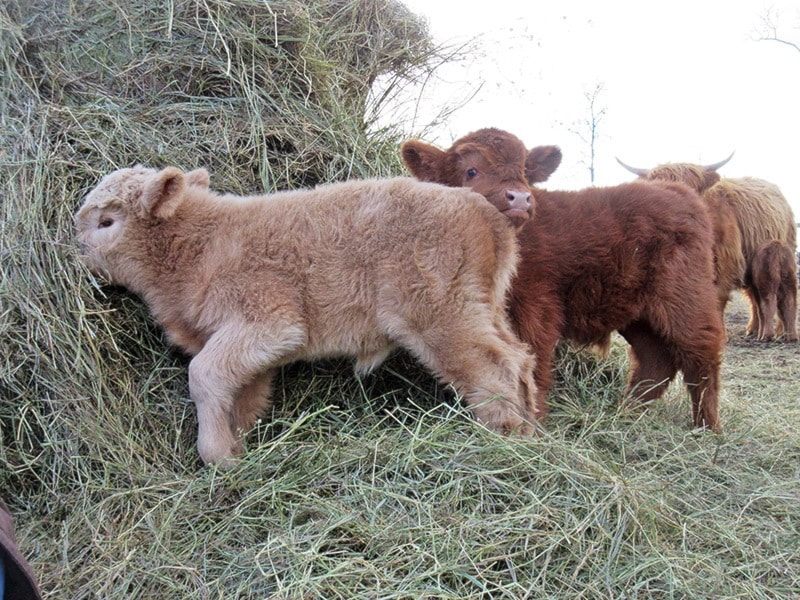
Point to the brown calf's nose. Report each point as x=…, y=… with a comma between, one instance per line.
x=518, y=200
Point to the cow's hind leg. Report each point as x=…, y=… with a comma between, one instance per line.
x=228, y=366
x=754, y=322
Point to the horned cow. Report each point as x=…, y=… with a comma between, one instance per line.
x=756, y=208
x=247, y=284
x=634, y=258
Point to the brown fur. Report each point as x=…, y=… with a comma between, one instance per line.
x=775, y=290
x=747, y=213
x=246, y=285
x=635, y=258
x=506, y=188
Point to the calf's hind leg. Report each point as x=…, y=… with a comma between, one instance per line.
x=490, y=368
x=787, y=307
x=767, y=309
x=652, y=364
x=697, y=347
x=250, y=403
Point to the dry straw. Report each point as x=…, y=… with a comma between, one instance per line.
x=381, y=488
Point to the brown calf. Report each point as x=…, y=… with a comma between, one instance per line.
x=775, y=290
x=746, y=212
x=634, y=258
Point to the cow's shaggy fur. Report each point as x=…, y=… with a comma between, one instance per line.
x=747, y=213
x=775, y=290
x=635, y=258
x=246, y=285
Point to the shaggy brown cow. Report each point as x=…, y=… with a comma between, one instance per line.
x=635, y=258
x=246, y=285
x=775, y=290
x=747, y=213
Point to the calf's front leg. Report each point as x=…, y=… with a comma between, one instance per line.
x=227, y=384
x=250, y=404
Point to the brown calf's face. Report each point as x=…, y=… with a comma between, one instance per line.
x=489, y=161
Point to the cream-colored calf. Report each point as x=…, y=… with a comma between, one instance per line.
x=247, y=284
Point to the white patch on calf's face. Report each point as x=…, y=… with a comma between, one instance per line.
x=102, y=218
x=99, y=226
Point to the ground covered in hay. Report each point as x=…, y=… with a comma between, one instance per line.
x=379, y=488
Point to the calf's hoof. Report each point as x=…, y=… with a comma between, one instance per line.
x=222, y=455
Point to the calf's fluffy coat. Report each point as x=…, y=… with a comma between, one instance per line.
x=747, y=213
x=774, y=290
x=634, y=258
x=246, y=285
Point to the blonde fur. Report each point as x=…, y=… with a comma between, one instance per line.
x=246, y=284
x=762, y=213
x=747, y=213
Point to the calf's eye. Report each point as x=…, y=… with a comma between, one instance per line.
x=471, y=173
x=107, y=222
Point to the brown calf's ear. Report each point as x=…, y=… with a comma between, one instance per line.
x=423, y=160
x=163, y=192
x=542, y=161
x=199, y=178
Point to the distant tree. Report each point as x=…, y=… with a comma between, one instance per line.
x=588, y=128
x=769, y=30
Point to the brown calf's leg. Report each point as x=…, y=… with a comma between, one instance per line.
x=699, y=356
x=787, y=309
x=652, y=363
x=542, y=338
x=767, y=309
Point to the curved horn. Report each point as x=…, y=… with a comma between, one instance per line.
x=634, y=170
x=716, y=166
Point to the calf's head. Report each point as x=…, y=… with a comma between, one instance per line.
x=490, y=161
x=697, y=177
x=126, y=201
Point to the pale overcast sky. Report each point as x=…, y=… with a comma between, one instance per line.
x=681, y=81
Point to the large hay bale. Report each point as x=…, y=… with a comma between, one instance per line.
x=266, y=95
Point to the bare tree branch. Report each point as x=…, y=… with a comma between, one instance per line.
x=768, y=31
x=779, y=40
x=588, y=129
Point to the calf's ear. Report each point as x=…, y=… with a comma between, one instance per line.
x=163, y=192
x=198, y=178
x=423, y=160
x=541, y=162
